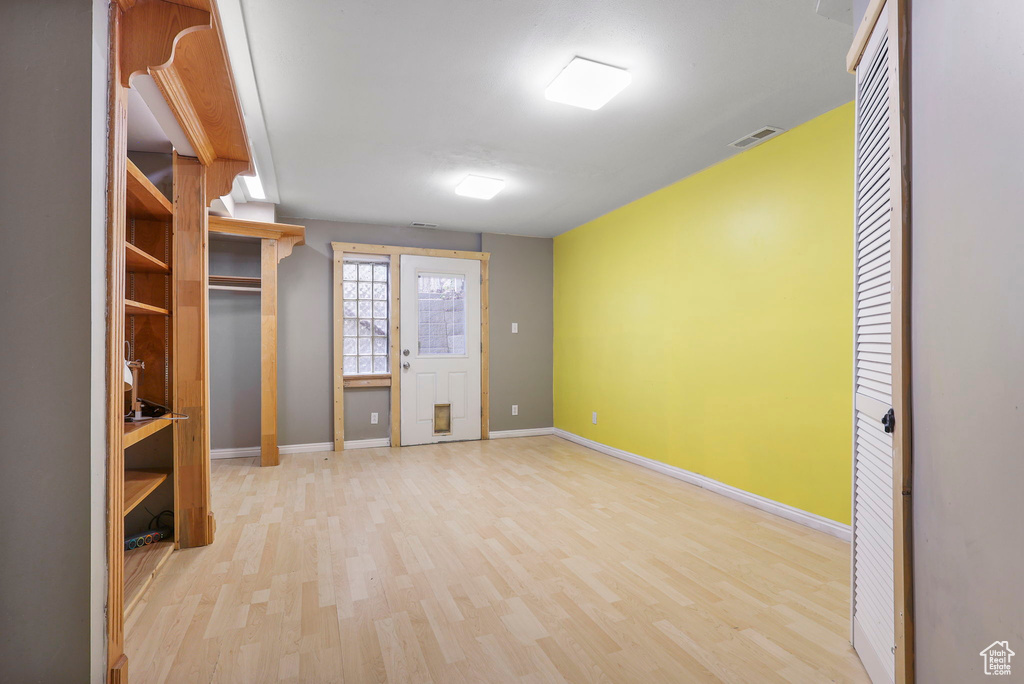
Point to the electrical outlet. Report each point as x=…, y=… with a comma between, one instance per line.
x=515, y=409
x=373, y=419
x=593, y=418
x=515, y=328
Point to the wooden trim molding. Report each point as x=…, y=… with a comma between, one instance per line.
x=357, y=248
x=863, y=35
x=339, y=366
x=117, y=194
x=485, y=349
x=395, y=281
x=395, y=380
x=899, y=122
x=367, y=381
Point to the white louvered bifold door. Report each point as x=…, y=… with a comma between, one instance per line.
x=873, y=585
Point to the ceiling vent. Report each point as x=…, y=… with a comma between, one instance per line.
x=421, y=224
x=757, y=137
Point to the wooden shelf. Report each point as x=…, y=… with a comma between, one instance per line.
x=139, y=309
x=136, y=432
x=235, y=280
x=140, y=567
x=138, y=261
x=144, y=200
x=138, y=484
x=236, y=283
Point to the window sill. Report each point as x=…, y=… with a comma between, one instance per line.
x=376, y=380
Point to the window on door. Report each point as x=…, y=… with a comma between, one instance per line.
x=442, y=314
x=364, y=289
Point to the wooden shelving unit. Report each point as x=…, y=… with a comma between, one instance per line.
x=136, y=432
x=138, y=484
x=138, y=261
x=140, y=567
x=157, y=285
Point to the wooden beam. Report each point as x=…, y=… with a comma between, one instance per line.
x=269, y=455
x=394, y=347
x=193, y=519
x=339, y=375
x=258, y=229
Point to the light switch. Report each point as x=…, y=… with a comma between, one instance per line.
x=515, y=328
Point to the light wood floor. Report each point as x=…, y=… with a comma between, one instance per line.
x=517, y=560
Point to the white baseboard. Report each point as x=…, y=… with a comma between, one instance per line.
x=242, y=452
x=249, y=452
x=305, y=448
x=527, y=432
x=367, y=443
x=812, y=520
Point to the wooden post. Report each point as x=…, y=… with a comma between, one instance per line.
x=193, y=519
x=339, y=371
x=394, y=282
x=269, y=455
x=485, y=350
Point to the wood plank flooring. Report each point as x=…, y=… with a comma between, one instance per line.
x=519, y=560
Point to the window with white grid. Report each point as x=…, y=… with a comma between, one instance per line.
x=364, y=289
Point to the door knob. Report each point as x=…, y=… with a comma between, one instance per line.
x=889, y=422
x=405, y=365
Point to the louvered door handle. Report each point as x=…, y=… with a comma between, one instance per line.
x=889, y=422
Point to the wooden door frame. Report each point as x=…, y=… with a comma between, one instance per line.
x=900, y=240
x=341, y=249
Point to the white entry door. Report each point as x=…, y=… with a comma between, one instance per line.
x=440, y=347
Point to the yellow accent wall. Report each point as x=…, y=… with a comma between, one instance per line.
x=709, y=324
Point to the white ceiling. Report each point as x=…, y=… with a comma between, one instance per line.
x=375, y=109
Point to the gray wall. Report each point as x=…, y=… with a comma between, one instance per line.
x=234, y=348
x=52, y=274
x=521, y=278
x=521, y=291
x=860, y=7
x=967, y=104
